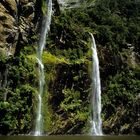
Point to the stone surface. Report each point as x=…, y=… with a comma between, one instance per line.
x=16, y=18
x=7, y=29
x=12, y=4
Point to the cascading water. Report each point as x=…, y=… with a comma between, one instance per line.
x=42, y=40
x=67, y=4
x=96, y=122
x=70, y=4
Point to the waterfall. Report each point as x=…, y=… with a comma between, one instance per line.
x=68, y=4
x=71, y=4
x=96, y=122
x=41, y=44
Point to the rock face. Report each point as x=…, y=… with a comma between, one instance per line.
x=25, y=22
x=16, y=24
x=8, y=27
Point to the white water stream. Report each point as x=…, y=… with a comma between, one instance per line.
x=68, y=4
x=96, y=121
x=41, y=44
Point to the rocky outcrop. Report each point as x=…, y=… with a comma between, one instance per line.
x=8, y=26
x=25, y=23
x=11, y=6
x=16, y=24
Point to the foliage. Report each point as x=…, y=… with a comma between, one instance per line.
x=43, y=7
x=67, y=64
x=51, y=59
x=17, y=96
x=115, y=27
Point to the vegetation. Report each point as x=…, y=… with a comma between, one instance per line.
x=17, y=95
x=67, y=60
x=116, y=30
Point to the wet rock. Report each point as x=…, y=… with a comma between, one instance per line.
x=11, y=6
x=24, y=1
x=28, y=9
x=7, y=24
x=16, y=17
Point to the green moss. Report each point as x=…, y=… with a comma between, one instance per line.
x=44, y=7
x=48, y=58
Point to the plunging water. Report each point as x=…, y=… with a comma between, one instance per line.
x=67, y=4
x=44, y=31
x=96, y=122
